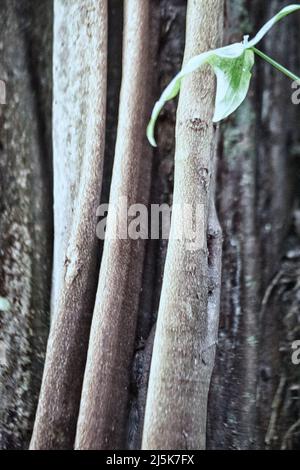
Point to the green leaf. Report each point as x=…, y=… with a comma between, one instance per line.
x=225, y=53
x=233, y=80
x=266, y=28
x=232, y=66
x=172, y=90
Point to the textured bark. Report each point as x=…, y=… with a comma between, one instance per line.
x=254, y=395
x=25, y=212
x=184, y=345
x=102, y=424
x=277, y=196
x=81, y=38
x=254, y=198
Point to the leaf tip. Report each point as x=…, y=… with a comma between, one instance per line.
x=217, y=118
x=150, y=134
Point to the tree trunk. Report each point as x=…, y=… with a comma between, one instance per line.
x=254, y=198
x=78, y=152
x=25, y=212
x=96, y=375
x=101, y=425
x=185, y=337
x=168, y=20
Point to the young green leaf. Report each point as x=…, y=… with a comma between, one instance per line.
x=233, y=80
x=232, y=65
x=172, y=90
x=225, y=53
x=266, y=28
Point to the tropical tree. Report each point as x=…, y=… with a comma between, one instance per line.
x=146, y=343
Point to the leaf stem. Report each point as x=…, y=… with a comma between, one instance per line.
x=275, y=64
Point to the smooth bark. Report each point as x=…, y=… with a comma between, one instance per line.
x=167, y=46
x=184, y=344
x=80, y=66
x=104, y=401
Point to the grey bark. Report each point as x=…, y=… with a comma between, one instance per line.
x=25, y=212
x=168, y=27
x=184, y=343
x=81, y=37
x=254, y=396
x=101, y=424
x=255, y=205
